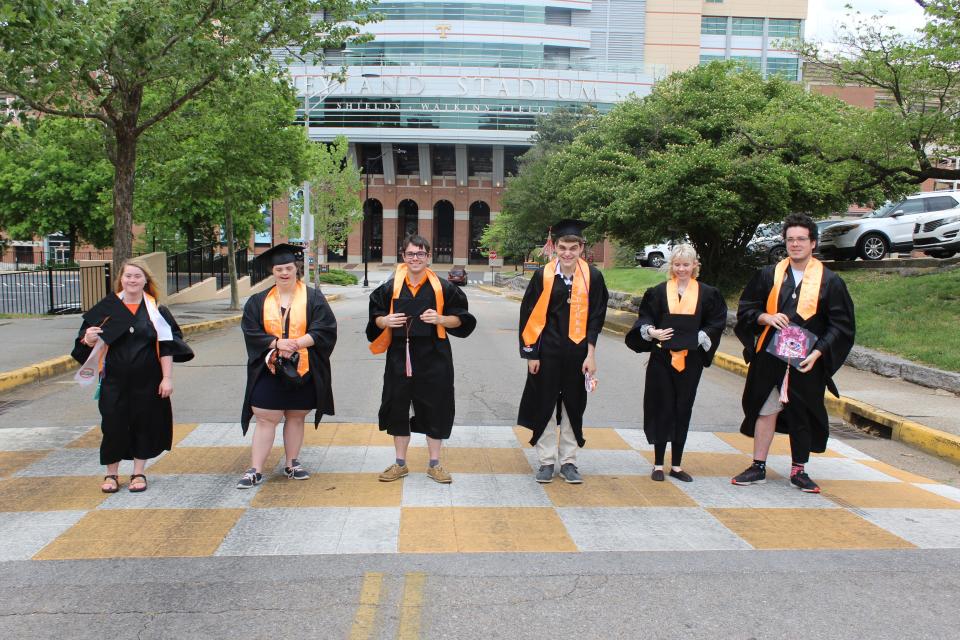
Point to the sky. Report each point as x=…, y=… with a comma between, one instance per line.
x=824, y=15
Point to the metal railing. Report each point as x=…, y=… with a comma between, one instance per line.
x=208, y=261
x=44, y=291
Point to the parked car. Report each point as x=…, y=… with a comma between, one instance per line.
x=654, y=255
x=886, y=230
x=767, y=242
x=822, y=225
x=458, y=276
x=936, y=233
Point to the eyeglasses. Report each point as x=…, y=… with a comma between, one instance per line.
x=418, y=255
x=797, y=240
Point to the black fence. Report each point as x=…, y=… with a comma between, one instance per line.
x=196, y=265
x=23, y=258
x=51, y=290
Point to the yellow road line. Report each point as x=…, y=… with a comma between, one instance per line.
x=365, y=618
x=410, y=606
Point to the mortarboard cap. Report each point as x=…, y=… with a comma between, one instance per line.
x=569, y=227
x=280, y=254
x=112, y=316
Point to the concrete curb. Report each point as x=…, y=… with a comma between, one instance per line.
x=63, y=364
x=933, y=441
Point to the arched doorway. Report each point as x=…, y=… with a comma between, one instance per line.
x=373, y=215
x=443, y=232
x=479, y=219
x=408, y=213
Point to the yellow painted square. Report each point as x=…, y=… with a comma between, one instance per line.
x=723, y=465
x=523, y=436
x=143, y=533
x=91, y=439
x=330, y=490
x=891, y=470
x=618, y=491
x=604, y=438
x=213, y=460
x=346, y=434
x=13, y=461
x=780, y=446
x=807, y=529
x=480, y=529
x=471, y=460
x=883, y=495
x=74, y=493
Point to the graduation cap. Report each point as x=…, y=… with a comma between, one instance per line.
x=280, y=254
x=569, y=227
x=111, y=315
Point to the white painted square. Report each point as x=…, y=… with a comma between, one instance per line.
x=719, y=493
x=474, y=490
x=698, y=441
x=185, y=492
x=75, y=462
x=39, y=438
x=636, y=438
x=945, y=490
x=844, y=449
x=647, y=529
x=602, y=462
x=310, y=531
x=831, y=469
x=483, y=437
x=354, y=459
x=926, y=528
x=23, y=534
x=224, y=434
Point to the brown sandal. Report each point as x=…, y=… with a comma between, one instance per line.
x=116, y=484
x=131, y=488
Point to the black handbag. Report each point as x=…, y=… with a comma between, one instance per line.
x=286, y=369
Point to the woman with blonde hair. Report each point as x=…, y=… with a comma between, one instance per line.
x=679, y=323
x=128, y=344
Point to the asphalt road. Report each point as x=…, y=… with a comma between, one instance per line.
x=594, y=595
x=30, y=292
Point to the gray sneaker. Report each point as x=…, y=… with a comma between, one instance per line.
x=570, y=474
x=296, y=471
x=545, y=474
x=250, y=479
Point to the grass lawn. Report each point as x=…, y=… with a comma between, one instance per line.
x=632, y=279
x=916, y=318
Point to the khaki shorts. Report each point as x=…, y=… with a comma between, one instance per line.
x=772, y=404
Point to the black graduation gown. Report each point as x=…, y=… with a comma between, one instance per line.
x=322, y=327
x=431, y=388
x=136, y=422
x=668, y=394
x=834, y=326
x=560, y=379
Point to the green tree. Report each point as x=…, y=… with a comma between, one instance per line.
x=97, y=60
x=691, y=159
x=218, y=159
x=54, y=178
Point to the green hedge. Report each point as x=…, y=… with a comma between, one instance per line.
x=338, y=276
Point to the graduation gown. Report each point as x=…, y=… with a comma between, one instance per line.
x=430, y=389
x=322, y=327
x=834, y=326
x=560, y=379
x=668, y=394
x=136, y=422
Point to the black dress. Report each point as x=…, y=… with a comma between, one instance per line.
x=430, y=390
x=321, y=326
x=136, y=422
x=560, y=379
x=668, y=394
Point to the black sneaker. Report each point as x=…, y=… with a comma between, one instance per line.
x=250, y=479
x=803, y=482
x=296, y=471
x=752, y=475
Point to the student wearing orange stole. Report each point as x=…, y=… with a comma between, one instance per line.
x=798, y=291
x=673, y=375
x=419, y=364
x=290, y=333
x=128, y=344
x=561, y=317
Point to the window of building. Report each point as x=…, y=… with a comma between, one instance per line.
x=708, y=58
x=789, y=68
x=713, y=26
x=367, y=158
x=780, y=28
x=474, y=11
x=407, y=159
x=479, y=160
x=714, y=1
x=476, y=54
x=444, y=159
x=748, y=26
x=511, y=160
x=748, y=62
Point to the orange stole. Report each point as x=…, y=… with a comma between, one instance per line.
x=382, y=342
x=809, y=291
x=273, y=320
x=579, y=303
x=686, y=306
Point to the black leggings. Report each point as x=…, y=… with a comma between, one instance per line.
x=676, y=450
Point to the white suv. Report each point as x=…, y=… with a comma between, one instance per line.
x=936, y=233
x=888, y=229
